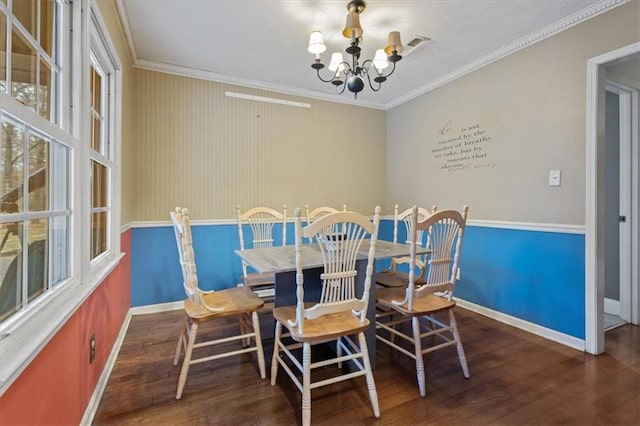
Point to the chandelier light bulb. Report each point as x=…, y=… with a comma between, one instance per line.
x=336, y=64
x=380, y=61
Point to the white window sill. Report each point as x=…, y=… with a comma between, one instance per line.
x=22, y=340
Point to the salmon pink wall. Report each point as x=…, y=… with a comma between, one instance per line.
x=57, y=386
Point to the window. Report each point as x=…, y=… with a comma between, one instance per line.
x=34, y=164
x=34, y=220
x=101, y=124
x=100, y=164
x=59, y=169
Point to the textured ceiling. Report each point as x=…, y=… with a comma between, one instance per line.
x=264, y=43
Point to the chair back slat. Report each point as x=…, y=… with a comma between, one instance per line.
x=339, y=237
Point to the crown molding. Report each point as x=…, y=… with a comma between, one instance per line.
x=243, y=82
x=546, y=32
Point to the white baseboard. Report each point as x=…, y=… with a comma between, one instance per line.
x=160, y=307
x=547, y=333
x=612, y=306
x=94, y=402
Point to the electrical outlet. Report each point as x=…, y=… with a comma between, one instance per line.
x=92, y=348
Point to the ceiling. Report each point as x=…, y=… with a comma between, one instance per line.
x=262, y=43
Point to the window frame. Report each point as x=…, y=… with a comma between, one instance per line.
x=26, y=333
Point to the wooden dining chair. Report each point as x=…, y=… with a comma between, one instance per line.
x=429, y=306
x=203, y=306
x=340, y=313
x=318, y=212
x=395, y=275
x=260, y=222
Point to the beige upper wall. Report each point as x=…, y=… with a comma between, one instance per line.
x=197, y=148
x=531, y=105
x=128, y=152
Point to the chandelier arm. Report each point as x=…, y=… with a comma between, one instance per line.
x=323, y=80
x=366, y=72
x=391, y=72
x=347, y=71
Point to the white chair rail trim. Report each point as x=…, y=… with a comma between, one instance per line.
x=558, y=228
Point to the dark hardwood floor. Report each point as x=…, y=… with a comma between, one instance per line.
x=516, y=378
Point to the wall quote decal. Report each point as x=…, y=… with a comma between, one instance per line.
x=463, y=150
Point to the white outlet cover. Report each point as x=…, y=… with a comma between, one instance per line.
x=554, y=177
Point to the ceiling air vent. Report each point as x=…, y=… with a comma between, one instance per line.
x=417, y=41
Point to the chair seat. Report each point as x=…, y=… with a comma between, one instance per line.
x=394, y=279
x=259, y=279
x=424, y=305
x=235, y=301
x=325, y=328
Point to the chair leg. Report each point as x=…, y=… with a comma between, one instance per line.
x=181, y=340
x=276, y=349
x=306, y=384
x=460, y=349
x=243, y=330
x=187, y=359
x=338, y=352
x=371, y=384
x=417, y=344
x=256, y=330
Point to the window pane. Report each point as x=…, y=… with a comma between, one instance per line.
x=96, y=87
x=3, y=52
x=44, y=89
x=98, y=233
x=11, y=168
x=47, y=25
x=26, y=12
x=60, y=249
x=59, y=173
x=99, y=185
x=10, y=268
x=95, y=133
x=37, y=275
x=38, y=174
x=23, y=71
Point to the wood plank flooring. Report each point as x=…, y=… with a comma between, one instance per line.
x=516, y=379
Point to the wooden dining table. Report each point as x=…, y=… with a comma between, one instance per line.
x=282, y=262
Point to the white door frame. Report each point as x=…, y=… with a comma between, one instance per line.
x=594, y=243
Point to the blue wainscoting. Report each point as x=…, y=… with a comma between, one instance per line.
x=531, y=275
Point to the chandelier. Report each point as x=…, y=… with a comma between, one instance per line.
x=352, y=74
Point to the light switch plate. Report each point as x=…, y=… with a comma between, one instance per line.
x=554, y=177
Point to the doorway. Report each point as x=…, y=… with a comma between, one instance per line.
x=617, y=198
x=599, y=70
